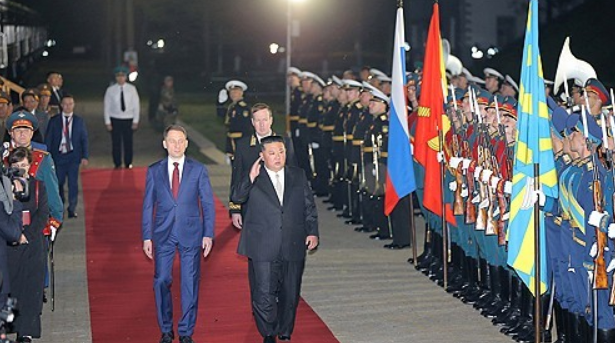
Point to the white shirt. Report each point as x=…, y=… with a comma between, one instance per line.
x=112, y=103
x=63, y=144
x=272, y=176
x=261, y=137
x=171, y=167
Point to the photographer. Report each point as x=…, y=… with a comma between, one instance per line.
x=27, y=260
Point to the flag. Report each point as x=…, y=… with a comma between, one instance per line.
x=400, y=172
x=432, y=117
x=533, y=147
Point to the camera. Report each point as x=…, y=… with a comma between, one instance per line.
x=17, y=175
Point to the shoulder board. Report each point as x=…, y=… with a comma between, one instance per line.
x=358, y=105
x=383, y=117
x=40, y=152
x=242, y=103
x=385, y=128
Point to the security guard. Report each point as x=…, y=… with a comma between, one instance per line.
x=237, y=116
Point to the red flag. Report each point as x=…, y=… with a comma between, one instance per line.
x=430, y=119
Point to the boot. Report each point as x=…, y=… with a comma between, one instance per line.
x=560, y=322
x=485, y=285
x=606, y=336
x=514, y=310
x=471, y=293
x=499, y=285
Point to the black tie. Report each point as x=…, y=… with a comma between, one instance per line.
x=122, y=103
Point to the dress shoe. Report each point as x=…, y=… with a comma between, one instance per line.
x=117, y=167
x=284, y=337
x=129, y=166
x=378, y=237
x=167, y=337
x=269, y=339
x=24, y=339
x=185, y=339
x=394, y=246
x=352, y=222
x=72, y=214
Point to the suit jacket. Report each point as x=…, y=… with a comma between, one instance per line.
x=246, y=152
x=191, y=216
x=270, y=230
x=79, y=139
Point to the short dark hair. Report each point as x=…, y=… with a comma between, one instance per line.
x=271, y=139
x=259, y=107
x=20, y=153
x=67, y=95
x=174, y=127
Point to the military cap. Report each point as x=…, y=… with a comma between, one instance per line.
x=384, y=78
x=30, y=91
x=492, y=72
x=368, y=87
x=377, y=95
x=44, y=89
x=352, y=84
x=508, y=107
x=483, y=97
x=509, y=80
x=459, y=94
x=235, y=84
x=336, y=80
x=120, y=70
x=294, y=70
x=594, y=86
x=376, y=73
x=412, y=79
x=575, y=122
x=466, y=73
x=5, y=98
x=21, y=119
x=558, y=117
x=310, y=75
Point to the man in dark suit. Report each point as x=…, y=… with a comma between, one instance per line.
x=280, y=222
x=247, y=151
x=178, y=214
x=67, y=141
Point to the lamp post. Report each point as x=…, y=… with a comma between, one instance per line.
x=289, y=35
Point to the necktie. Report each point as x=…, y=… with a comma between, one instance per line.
x=175, y=180
x=122, y=103
x=69, y=146
x=278, y=188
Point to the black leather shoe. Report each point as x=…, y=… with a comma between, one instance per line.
x=24, y=339
x=269, y=339
x=72, y=214
x=394, y=246
x=167, y=337
x=185, y=339
x=284, y=337
x=377, y=237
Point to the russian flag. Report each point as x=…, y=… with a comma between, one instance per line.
x=400, y=172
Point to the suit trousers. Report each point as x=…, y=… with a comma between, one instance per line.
x=121, y=139
x=69, y=171
x=275, y=288
x=190, y=269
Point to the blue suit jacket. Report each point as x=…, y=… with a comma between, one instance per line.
x=79, y=138
x=191, y=216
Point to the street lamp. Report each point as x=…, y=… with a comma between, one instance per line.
x=289, y=35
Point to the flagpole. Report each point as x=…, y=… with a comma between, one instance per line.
x=537, y=267
x=413, y=231
x=444, y=226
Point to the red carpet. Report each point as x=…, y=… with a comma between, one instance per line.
x=120, y=277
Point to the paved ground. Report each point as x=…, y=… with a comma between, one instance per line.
x=363, y=292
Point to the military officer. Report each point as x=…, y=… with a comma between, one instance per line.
x=493, y=80
x=237, y=116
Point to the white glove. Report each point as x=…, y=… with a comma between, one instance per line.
x=476, y=199
x=484, y=204
x=494, y=183
x=508, y=187
x=54, y=232
x=228, y=160
x=593, y=252
x=296, y=132
x=455, y=162
x=611, y=231
x=496, y=211
x=590, y=276
x=440, y=156
x=611, y=266
x=464, y=191
x=315, y=145
x=486, y=175
x=598, y=219
x=505, y=216
x=412, y=148
x=477, y=171
x=452, y=186
x=222, y=96
x=466, y=163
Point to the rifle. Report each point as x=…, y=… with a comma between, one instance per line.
x=600, y=275
x=491, y=223
x=311, y=158
x=458, y=202
x=470, y=209
x=375, y=157
x=481, y=218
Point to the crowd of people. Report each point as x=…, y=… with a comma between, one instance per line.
x=339, y=135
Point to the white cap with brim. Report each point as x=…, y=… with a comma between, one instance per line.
x=377, y=72
x=294, y=70
x=337, y=80
x=385, y=79
x=368, y=87
x=236, y=84
x=466, y=73
x=512, y=82
x=380, y=96
x=493, y=72
x=476, y=79
x=352, y=84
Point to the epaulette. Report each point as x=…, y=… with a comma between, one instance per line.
x=358, y=105
x=242, y=103
x=383, y=117
x=37, y=157
x=43, y=152
x=253, y=141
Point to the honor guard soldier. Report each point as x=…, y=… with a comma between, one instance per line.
x=338, y=159
x=237, y=116
x=355, y=110
x=317, y=158
x=509, y=87
x=326, y=125
x=21, y=126
x=493, y=80
x=372, y=187
x=303, y=139
x=293, y=80
x=597, y=97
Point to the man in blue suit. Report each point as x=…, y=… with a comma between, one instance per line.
x=67, y=141
x=178, y=214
